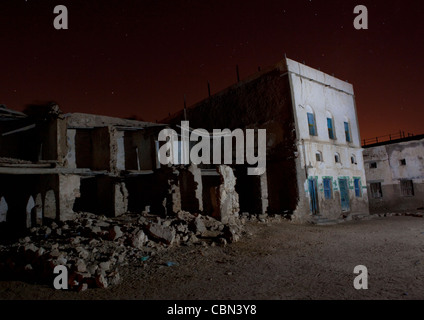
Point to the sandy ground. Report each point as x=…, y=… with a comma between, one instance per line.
x=277, y=260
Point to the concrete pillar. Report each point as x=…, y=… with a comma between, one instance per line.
x=190, y=184
x=71, y=161
x=3, y=209
x=50, y=205
x=120, y=199
x=28, y=211
x=228, y=199
x=69, y=189
x=263, y=182
x=38, y=210
x=120, y=150
x=112, y=195
x=197, y=176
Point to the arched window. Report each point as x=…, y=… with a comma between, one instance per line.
x=337, y=157
x=353, y=159
x=318, y=156
x=330, y=125
x=311, y=121
x=347, y=130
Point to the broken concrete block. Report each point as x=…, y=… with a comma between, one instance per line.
x=102, y=224
x=82, y=253
x=199, y=225
x=105, y=266
x=31, y=247
x=101, y=281
x=82, y=287
x=115, y=233
x=92, y=268
x=139, y=239
x=182, y=228
x=26, y=239
x=193, y=239
x=114, y=278
x=230, y=234
x=81, y=266
x=61, y=260
x=164, y=234
x=211, y=234
x=41, y=251
x=185, y=216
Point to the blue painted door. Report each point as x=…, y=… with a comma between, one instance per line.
x=344, y=194
x=314, y=196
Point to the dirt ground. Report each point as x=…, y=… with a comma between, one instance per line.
x=273, y=260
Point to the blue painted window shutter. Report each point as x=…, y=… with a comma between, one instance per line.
x=311, y=124
x=330, y=128
x=327, y=188
x=346, y=127
x=357, y=182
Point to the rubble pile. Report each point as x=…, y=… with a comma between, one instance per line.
x=93, y=247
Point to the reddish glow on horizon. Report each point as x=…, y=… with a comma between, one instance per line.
x=124, y=58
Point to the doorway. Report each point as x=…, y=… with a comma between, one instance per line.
x=344, y=194
x=313, y=192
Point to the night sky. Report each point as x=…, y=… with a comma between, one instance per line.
x=138, y=58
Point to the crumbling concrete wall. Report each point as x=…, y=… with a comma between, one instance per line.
x=260, y=102
x=227, y=208
x=68, y=190
x=190, y=184
x=119, y=155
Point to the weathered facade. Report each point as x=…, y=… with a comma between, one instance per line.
x=395, y=174
x=314, y=165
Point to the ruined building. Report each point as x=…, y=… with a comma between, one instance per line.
x=54, y=164
x=395, y=174
x=314, y=164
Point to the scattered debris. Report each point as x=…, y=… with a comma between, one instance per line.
x=93, y=247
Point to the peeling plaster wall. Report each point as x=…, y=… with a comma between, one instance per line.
x=390, y=172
